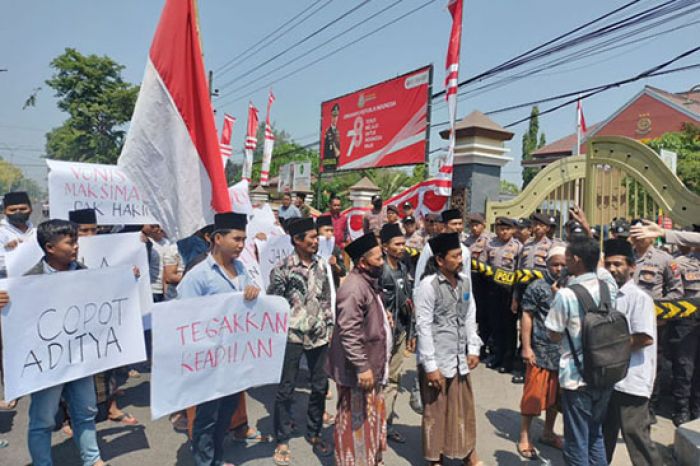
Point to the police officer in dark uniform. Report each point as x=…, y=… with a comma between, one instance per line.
x=523, y=232
x=476, y=242
x=684, y=341
x=502, y=252
x=331, y=142
x=658, y=275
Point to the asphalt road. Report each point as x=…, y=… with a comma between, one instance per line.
x=156, y=443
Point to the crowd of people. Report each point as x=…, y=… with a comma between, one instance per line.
x=409, y=286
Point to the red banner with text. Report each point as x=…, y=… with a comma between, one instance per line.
x=381, y=126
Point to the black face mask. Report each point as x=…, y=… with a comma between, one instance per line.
x=18, y=218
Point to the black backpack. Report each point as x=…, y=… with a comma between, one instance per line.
x=606, y=340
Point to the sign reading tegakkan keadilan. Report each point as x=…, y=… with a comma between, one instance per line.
x=380, y=126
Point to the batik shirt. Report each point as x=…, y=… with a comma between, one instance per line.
x=537, y=302
x=308, y=291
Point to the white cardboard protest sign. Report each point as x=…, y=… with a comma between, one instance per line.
x=212, y=346
x=23, y=257
x=97, y=252
x=271, y=252
x=240, y=199
x=68, y=325
x=325, y=246
x=105, y=188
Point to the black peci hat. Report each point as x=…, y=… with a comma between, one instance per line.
x=83, y=216
x=230, y=221
x=15, y=198
x=444, y=242
x=451, y=214
x=618, y=247
x=300, y=225
x=324, y=221
x=361, y=245
x=389, y=231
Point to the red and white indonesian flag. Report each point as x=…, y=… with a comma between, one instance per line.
x=580, y=120
x=251, y=142
x=423, y=196
x=171, y=152
x=444, y=176
x=225, y=143
x=269, y=144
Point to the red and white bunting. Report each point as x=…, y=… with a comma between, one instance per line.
x=423, y=196
x=225, y=143
x=269, y=144
x=251, y=142
x=444, y=175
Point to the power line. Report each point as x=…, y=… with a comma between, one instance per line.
x=323, y=57
x=581, y=92
x=299, y=42
x=273, y=36
x=541, y=50
x=642, y=75
x=335, y=37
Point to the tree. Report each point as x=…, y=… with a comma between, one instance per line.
x=531, y=142
x=686, y=144
x=98, y=102
x=509, y=188
x=12, y=179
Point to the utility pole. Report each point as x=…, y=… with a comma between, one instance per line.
x=212, y=92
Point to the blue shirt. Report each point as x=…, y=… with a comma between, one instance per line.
x=207, y=278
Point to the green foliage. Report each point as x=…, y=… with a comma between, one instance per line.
x=98, y=102
x=687, y=145
x=12, y=179
x=508, y=187
x=532, y=140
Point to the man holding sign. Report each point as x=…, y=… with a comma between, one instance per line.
x=220, y=272
x=59, y=241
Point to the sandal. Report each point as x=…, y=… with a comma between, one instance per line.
x=320, y=446
x=282, y=455
x=528, y=451
x=179, y=422
x=253, y=437
x=328, y=419
x=554, y=442
x=4, y=443
x=124, y=418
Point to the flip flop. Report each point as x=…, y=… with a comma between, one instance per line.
x=253, y=438
x=328, y=419
x=4, y=443
x=529, y=452
x=282, y=456
x=554, y=442
x=125, y=418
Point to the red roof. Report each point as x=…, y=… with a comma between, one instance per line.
x=563, y=146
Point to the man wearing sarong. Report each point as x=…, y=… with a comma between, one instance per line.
x=359, y=358
x=446, y=325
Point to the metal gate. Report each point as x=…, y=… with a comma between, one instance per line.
x=618, y=177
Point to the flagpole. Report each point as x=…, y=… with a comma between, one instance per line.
x=578, y=147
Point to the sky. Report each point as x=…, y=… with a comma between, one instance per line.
x=33, y=32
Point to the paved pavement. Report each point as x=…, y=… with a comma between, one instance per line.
x=155, y=442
